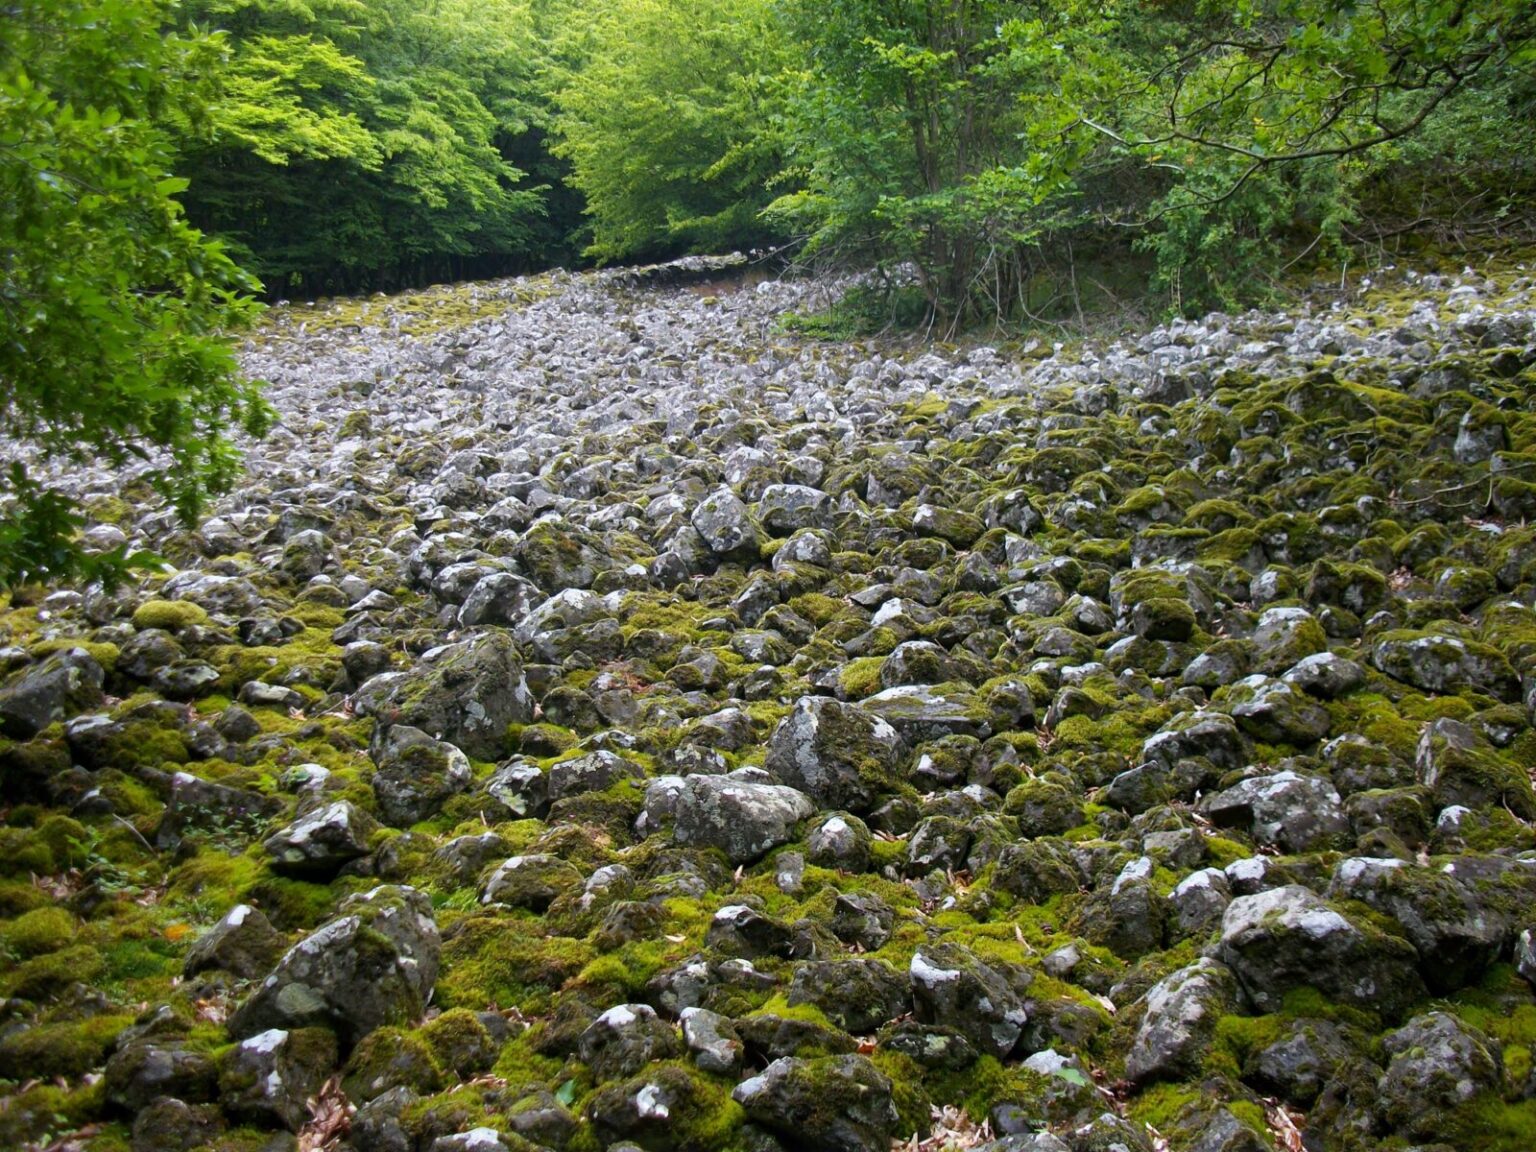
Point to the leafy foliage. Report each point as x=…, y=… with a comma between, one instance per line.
x=364, y=142
x=668, y=122
x=111, y=304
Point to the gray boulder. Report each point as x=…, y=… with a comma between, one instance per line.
x=624, y=1039
x=831, y=1104
x=857, y=995
x=466, y=694
x=713, y=1041
x=1181, y=1014
x=374, y=964
x=533, y=881
x=786, y=508
x=953, y=987
x=838, y=754
x=1438, y=1063
x=317, y=845
x=1275, y=712
x=64, y=684
x=744, y=818
x=1461, y=767
x=726, y=525
x=502, y=598
x=268, y=1077
x=1285, y=810
x=1286, y=938
x=1437, y=663
x=243, y=943
x=1455, y=936
x=416, y=776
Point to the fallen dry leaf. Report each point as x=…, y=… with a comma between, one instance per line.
x=330, y=1119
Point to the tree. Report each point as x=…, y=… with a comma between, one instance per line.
x=913, y=128
x=113, y=308
x=364, y=143
x=668, y=123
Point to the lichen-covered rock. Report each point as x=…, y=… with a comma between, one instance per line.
x=1273, y=711
x=1212, y=736
x=1182, y=1010
x=66, y=683
x=669, y=1106
x=534, y=881
x=202, y=805
x=624, y=1039
x=1440, y=663
x=143, y=1070
x=317, y=845
x=1455, y=935
x=1287, y=938
x=1438, y=1063
x=466, y=694
x=269, y=1076
x=416, y=776
x=743, y=817
x=832, y=1104
x=743, y=932
x=375, y=964
x=837, y=754
x=243, y=943
x=1285, y=810
x=713, y=1041
x=857, y=995
x=953, y=987
x=1460, y=767
x=726, y=525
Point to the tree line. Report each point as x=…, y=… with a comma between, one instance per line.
x=163, y=163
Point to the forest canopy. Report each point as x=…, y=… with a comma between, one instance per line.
x=986, y=145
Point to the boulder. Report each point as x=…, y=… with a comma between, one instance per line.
x=1285, y=810
x=466, y=694
x=744, y=818
x=838, y=754
x=831, y=1104
x=954, y=988
x=66, y=683
x=416, y=776
x=1288, y=937
x=317, y=845
x=374, y=964
x=1182, y=1010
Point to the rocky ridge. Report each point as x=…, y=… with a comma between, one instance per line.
x=606, y=720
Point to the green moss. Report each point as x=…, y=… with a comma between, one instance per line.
x=39, y=931
x=388, y=1058
x=860, y=678
x=45, y=976
x=293, y=904
x=171, y=615
x=35, y=1115
x=68, y=1049
x=498, y=962
x=1490, y=1124
x=1162, y=1105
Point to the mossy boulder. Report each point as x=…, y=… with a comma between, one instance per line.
x=169, y=615
x=66, y=683
x=669, y=1108
x=372, y=966
x=1435, y=662
x=831, y=1104
x=1460, y=767
x=467, y=694
x=838, y=754
x=1287, y=938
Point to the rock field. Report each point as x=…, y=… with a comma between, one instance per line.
x=604, y=719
